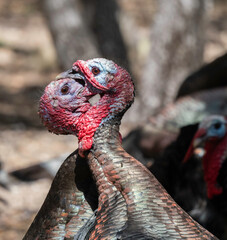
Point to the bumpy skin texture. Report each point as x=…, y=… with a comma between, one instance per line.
x=71, y=113
x=132, y=203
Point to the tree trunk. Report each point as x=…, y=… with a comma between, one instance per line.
x=72, y=37
x=84, y=30
x=107, y=30
x=177, y=42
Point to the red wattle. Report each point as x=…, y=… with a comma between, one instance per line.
x=87, y=125
x=201, y=132
x=189, y=152
x=212, y=162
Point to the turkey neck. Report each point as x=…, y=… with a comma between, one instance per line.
x=150, y=210
x=112, y=209
x=117, y=165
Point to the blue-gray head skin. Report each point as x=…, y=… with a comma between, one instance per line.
x=65, y=106
x=214, y=126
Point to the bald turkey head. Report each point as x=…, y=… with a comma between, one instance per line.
x=212, y=138
x=65, y=107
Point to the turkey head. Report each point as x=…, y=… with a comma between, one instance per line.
x=65, y=107
x=210, y=143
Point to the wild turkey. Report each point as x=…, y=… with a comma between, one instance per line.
x=211, y=136
x=148, y=142
x=132, y=204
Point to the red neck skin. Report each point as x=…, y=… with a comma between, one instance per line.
x=119, y=97
x=77, y=116
x=87, y=125
x=65, y=122
x=212, y=162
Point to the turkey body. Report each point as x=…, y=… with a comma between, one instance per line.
x=151, y=212
x=65, y=209
x=185, y=183
x=132, y=204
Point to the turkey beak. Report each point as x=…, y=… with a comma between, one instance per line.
x=196, y=145
x=199, y=138
x=71, y=74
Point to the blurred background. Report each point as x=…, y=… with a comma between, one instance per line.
x=161, y=43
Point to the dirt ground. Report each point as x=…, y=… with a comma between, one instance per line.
x=27, y=63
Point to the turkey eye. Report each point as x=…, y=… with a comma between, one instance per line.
x=217, y=125
x=64, y=89
x=95, y=71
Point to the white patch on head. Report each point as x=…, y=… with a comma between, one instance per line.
x=93, y=100
x=54, y=103
x=199, y=152
x=105, y=66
